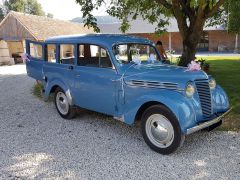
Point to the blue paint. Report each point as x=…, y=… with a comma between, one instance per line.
x=111, y=90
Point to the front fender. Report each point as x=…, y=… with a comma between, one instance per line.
x=220, y=100
x=50, y=84
x=180, y=105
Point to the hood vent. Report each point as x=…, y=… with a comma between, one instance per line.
x=154, y=84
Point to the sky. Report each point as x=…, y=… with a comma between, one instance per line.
x=64, y=9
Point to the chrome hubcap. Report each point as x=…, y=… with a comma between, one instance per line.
x=159, y=130
x=62, y=103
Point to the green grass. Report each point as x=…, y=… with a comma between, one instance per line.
x=37, y=90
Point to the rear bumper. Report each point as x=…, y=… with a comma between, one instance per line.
x=207, y=123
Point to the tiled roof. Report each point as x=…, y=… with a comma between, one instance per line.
x=142, y=26
x=42, y=27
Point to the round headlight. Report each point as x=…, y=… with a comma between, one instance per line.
x=212, y=84
x=190, y=90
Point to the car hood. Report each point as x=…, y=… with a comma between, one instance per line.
x=162, y=74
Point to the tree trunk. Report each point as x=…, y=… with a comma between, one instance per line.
x=189, y=51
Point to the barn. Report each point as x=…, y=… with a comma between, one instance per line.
x=214, y=39
x=16, y=27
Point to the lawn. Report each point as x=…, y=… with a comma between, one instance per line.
x=226, y=71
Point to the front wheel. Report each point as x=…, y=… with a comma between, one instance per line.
x=63, y=107
x=161, y=130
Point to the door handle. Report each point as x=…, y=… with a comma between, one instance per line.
x=78, y=75
x=70, y=67
x=114, y=80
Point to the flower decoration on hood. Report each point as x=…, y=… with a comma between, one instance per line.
x=193, y=66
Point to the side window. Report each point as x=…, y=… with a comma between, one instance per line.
x=36, y=51
x=51, y=53
x=67, y=54
x=93, y=56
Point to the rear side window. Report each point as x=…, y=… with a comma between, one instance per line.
x=36, y=51
x=67, y=54
x=93, y=56
x=51, y=53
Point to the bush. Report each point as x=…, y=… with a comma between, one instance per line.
x=37, y=89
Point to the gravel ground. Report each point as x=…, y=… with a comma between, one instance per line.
x=35, y=143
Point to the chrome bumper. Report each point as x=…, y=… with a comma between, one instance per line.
x=207, y=124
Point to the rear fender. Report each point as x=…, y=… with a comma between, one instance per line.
x=50, y=85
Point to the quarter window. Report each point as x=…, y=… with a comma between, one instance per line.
x=67, y=54
x=93, y=56
x=36, y=51
x=51, y=53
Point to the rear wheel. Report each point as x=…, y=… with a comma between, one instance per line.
x=62, y=104
x=161, y=130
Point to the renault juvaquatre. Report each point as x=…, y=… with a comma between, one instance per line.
x=124, y=77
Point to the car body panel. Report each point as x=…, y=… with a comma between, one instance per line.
x=122, y=90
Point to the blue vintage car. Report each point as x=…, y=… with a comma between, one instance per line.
x=123, y=76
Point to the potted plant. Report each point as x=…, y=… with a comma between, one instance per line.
x=204, y=65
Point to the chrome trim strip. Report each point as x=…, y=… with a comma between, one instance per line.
x=154, y=84
x=207, y=124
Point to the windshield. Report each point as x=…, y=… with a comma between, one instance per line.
x=138, y=53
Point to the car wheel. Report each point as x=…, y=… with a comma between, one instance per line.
x=63, y=107
x=161, y=130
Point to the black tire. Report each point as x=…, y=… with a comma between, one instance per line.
x=71, y=112
x=177, y=138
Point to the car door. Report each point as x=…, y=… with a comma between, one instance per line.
x=34, y=64
x=95, y=80
x=60, y=62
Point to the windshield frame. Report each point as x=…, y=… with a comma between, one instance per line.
x=139, y=43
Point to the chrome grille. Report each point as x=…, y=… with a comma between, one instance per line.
x=204, y=94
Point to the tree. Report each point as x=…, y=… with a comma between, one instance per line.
x=33, y=7
x=26, y=6
x=232, y=8
x=14, y=5
x=49, y=15
x=1, y=13
x=191, y=17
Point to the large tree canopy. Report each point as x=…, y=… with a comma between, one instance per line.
x=233, y=9
x=191, y=16
x=26, y=6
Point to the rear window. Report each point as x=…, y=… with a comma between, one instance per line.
x=36, y=51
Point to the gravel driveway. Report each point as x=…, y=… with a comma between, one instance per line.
x=35, y=143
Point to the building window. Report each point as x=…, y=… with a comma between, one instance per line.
x=67, y=54
x=36, y=51
x=51, y=53
x=203, y=44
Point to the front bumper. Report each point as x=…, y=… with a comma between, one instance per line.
x=207, y=123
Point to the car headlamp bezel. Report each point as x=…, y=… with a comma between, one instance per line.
x=190, y=90
x=212, y=83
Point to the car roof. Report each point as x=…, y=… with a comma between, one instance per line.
x=101, y=39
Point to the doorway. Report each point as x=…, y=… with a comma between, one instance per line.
x=16, y=49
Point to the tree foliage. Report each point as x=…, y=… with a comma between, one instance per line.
x=233, y=10
x=49, y=15
x=25, y=6
x=191, y=16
